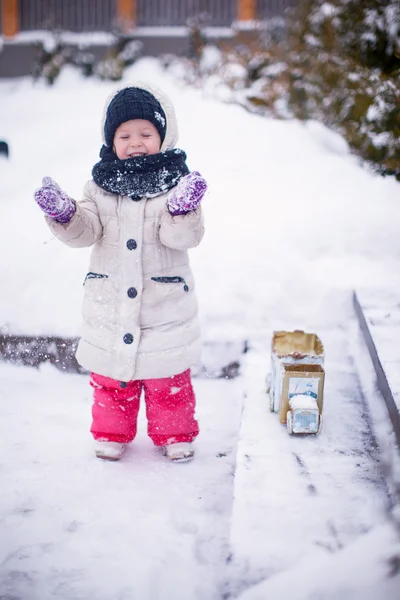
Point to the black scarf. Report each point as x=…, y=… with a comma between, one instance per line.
x=140, y=176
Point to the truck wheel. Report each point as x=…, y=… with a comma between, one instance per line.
x=271, y=401
x=320, y=425
x=289, y=422
x=268, y=383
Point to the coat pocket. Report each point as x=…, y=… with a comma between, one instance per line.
x=167, y=300
x=176, y=279
x=99, y=301
x=92, y=275
x=97, y=289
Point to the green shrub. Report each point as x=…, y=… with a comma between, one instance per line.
x=50, y=61
x=337, y=61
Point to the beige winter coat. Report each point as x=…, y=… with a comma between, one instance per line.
x=137, y=323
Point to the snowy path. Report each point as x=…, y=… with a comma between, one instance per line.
x=304, y=496
x=73, y=527
x=293, y=224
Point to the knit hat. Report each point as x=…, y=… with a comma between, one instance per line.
x=133, y=103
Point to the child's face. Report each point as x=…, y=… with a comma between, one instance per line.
x=136, y=138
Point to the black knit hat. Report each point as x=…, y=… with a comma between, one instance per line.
x=133, y=103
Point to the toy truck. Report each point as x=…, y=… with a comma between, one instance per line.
x=297, y=381
x=303, y=415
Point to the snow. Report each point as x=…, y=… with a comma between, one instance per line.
x=337, y=577
x=328, y=10
x=392, y=18
x=380, y=139
x=298, y=497
x=73, y=526
x=161, y=31
x=48, y=38
x=218, y=32
x=160, y=118
x=312, y=40
x=323, y=235
x=106, y=38
x=273, y=70
x=293, y=224
x=247, y=25
x=302, y=401
x=373, y=113
x=384, y=328
x=211, y=59
x=323, y=12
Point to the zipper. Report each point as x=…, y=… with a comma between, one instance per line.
x=175, y=279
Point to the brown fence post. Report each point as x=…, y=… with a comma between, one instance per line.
x=126, y=13
x=247, y=10
x=10, y=17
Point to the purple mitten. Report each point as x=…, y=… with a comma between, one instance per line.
x=188, y=194
x=54, y=202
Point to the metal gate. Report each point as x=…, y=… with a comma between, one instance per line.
x=67, y=15
x=168, y=13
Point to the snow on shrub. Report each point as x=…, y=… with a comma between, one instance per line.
x=337, y=62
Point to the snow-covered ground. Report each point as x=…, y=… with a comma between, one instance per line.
x=76, y=527
x=293, y=224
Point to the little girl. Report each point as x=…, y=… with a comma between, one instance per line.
x=141, y=212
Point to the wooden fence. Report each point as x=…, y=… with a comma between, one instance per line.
x=69, y=15
x=273, y=8
x=177, y=12
x=100, y=15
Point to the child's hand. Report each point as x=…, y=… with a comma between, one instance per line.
x=54, y=202
x=188, y=194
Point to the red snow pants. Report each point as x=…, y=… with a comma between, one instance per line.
x=170, y=406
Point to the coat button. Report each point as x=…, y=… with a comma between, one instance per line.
x=132, y=292
x=131, y=244
x=128, y=338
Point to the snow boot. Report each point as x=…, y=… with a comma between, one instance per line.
x=108, y=450
x=179, y=452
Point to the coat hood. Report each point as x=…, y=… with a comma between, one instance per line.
x=171, y=134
